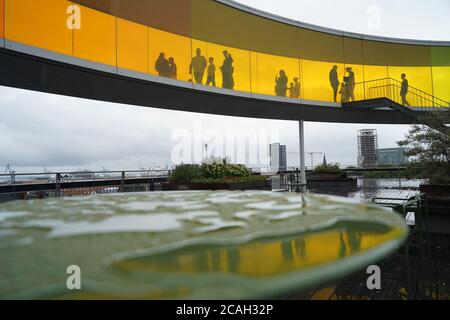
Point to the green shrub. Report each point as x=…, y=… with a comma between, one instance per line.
x=184, y=173
x=221, y=170
x=325, y=168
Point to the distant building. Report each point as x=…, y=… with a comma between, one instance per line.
x=278, y=158
x=392, y=156
x=367, y=148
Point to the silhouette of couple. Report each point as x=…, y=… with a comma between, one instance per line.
x=281, y=86
x=199, y=66
x=347, y=91
x=166, y=67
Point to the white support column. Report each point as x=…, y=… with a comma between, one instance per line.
x=302, y=154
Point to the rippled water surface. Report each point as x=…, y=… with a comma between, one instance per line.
x=188, y=244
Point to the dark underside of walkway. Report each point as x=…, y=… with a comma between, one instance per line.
x=428, y=279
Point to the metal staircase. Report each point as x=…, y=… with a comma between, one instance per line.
x=385, y=93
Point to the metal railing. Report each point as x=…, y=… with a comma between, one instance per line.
x=391, y=88
x=66, y=184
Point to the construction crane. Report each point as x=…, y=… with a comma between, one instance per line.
x=11, y=173
x=312, y=156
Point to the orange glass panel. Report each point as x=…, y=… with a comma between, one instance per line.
x=173, y=46
x=41, y=24
x=96, y=39
x=132, y=46
x=2, y=18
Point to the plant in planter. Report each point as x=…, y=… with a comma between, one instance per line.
x=213, y=174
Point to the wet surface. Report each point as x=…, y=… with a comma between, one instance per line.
x=188, y=244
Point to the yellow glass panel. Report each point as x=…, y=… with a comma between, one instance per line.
x=408, y=55
x=317, y=84
x=96, y=39
x=270, y=37
x=319, y=46
x=441, y=72
x=241, y=66
x=375, y=60
x=269, y=67
x=132, y=46
x=418, y=77
x=375, y=72
x=173, y=46
x=214, y=22
x=441, y=81
x=254, y=71
x=41, y=24
x=375, y=53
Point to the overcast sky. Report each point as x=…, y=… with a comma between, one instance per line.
x=57, y=132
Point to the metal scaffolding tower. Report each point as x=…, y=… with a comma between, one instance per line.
x=367, y=148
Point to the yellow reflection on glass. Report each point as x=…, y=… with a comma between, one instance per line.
x=276, y=75
x=375, y=72
x=171, y=46
x=42, y=24
x=239, y=66
x=320, y=80
x=418, y=77
x=268, y=257
x=96, y=39
x=132, y=46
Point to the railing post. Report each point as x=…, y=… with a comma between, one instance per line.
x=122, y=182
x=58, y=185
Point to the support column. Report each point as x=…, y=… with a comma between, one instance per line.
x=301, y=126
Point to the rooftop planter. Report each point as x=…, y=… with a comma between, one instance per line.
x=218, y=174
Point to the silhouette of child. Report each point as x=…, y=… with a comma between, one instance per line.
x=211, y=79
x=344, y=92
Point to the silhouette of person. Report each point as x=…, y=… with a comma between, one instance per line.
x=334, y=81
x=198, y=66
x=344, y=92
x=350, y=83
x=291, y=90
x=296, y=94
x=211, y=79
x=281, y=82
x=227, y=71
x=162, y=65
x=404, y=90
x=172, y=68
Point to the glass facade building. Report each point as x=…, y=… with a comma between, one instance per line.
x=213, y=43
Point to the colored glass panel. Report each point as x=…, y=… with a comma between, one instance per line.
x=96, y=39
x=132, y=46
x=41, y=24
x=171, y=46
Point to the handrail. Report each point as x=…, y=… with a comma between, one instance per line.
x=391, y=88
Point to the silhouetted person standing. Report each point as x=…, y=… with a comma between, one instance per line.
x=227, y=71
x=281, y=82
x=334, y=82
x=350, y=83
x=296, y=92
x=162, y=65
x=211, y=79
x=172, y=68
x=404, y=90
x=198, y=66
